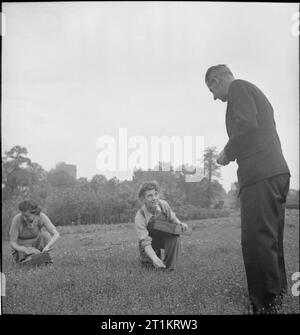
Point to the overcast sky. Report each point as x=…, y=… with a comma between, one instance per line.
x=72, y=72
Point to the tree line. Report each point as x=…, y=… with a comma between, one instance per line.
x=68, y=200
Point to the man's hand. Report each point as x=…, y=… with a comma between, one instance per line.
x=222, y=158
x=158, y=263
x=184, y=226
x=31, y=250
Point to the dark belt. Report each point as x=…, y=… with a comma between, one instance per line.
x=27, y=238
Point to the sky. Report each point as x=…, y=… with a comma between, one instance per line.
x=73, y=72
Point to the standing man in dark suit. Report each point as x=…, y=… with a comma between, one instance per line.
x=263, y=177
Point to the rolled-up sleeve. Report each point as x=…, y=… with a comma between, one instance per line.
x=142, y=231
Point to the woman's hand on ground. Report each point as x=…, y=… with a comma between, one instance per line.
x=46, y=248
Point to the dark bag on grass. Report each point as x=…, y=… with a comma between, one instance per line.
x=37, y=259
x=163, y=224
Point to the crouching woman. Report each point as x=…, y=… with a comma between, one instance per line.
x=151, y=241
x=31, y=231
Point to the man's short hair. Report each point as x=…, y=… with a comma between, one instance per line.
x=29, y=205
x=148, y=186
x=219, y=71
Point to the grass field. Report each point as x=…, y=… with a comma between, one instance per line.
x=96, y=270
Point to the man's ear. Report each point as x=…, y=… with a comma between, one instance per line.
x=216, y=81
x=213, y=81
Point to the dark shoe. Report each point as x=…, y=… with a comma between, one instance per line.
x=253, y=309
x=282, y=293
x=273, y=308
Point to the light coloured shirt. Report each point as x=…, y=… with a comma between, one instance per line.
x=141, y=222
x=20, y=230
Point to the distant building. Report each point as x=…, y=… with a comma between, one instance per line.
x=69, y=168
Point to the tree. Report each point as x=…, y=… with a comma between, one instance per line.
x=60, y=178
x=83, y=183
x=37, y=174
x=211, y=170
x=232, y=196
x=15, y=173
x=98, y=182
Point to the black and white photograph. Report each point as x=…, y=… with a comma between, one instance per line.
x=150, y=161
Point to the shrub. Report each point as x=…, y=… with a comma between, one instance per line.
x=9, y=210
x=189, y=212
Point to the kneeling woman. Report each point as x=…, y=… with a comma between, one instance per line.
x=31, y=231
x=151, y=241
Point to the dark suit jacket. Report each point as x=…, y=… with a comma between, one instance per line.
x=253, y=139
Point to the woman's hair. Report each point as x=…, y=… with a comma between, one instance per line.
x=148, y=186
x=31, y=206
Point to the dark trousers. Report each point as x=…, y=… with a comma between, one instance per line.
x=170, y=243
x=162, y=240
x=262, y=218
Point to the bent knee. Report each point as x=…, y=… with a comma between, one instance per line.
x=45, y=235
